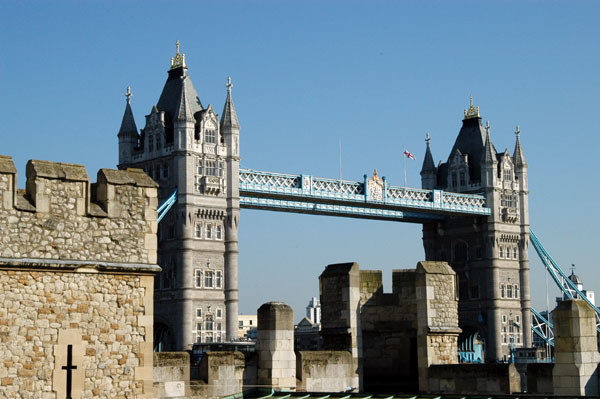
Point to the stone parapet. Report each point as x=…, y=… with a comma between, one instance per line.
x=221, y=373
x=325, y=371
x=575, y=349
x=474, y=379
x=171, y=375
x=539, y=378
x=60, y=215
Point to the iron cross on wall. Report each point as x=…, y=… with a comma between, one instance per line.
x=69, y=367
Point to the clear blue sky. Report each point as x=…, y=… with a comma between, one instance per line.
x=375, y=74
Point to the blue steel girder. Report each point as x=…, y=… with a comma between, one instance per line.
x=314, y=195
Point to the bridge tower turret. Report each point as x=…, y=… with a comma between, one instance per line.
x=128, y=134
x=230, y=130
x=523, y=211
x=428, y=171
x=183, y=145
x=488, y=253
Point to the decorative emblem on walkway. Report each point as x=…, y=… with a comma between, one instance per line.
x=375, y=187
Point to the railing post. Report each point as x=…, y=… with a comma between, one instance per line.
x=365, y=188
x=306, y=184
x=436, y=197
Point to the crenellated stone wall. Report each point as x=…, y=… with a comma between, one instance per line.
x=77, y=266
x=61, y=215
x=394, y=337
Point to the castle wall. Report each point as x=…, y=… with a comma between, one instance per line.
x=400, y=334
x=539, y=378
x=324, y=371
x=55, y=218
x=388, y=323
x=474, y=379
x=171, y=375
x=221, y=375
x=339, y=287
x=77, y=266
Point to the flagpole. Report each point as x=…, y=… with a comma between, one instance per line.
x=404, y=156
x=340, y=142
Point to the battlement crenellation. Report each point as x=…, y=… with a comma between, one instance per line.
x=61, y=215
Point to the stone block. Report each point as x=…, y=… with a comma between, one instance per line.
x=275, y=316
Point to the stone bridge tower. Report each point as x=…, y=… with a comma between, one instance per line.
x=184, y=146
x=488, y=253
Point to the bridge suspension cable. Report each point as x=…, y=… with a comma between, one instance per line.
x=542, y=327
x=568, y=287
x=165, y=206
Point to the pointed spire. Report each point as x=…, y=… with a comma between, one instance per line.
x=229, y=116
x=428, y=164
x=128, y=126
x=183, y=112
x=518, y=157
x=489, y=153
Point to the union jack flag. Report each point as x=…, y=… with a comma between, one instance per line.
x=409, y=155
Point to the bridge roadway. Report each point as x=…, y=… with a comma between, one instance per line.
x=372, y=198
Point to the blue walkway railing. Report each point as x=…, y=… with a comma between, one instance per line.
x=373, y=198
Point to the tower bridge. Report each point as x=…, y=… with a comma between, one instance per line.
x=473, y=208
x=372, y=199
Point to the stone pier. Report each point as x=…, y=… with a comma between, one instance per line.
x=275, y=346
x=576, y=349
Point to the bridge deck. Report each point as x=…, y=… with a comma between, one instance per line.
x=373, y=198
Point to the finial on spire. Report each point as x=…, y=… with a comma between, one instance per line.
x=518, y=131
x=427, y=138
x=128, y=95
x=229, y=85
x=179, y=59
x=487, y=127
x=375, y=176
x=472, y=112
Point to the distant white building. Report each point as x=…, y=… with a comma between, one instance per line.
x=246, y=326
x=313, y=310
x=579, y=284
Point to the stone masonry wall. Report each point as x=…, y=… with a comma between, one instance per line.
x=339, y=288
x=55, y=218
x=221, y=373
x=388, y=322
x=77, y=266
x=103, y=316
x=325, y=371
x=437, y=318
x=575, y=371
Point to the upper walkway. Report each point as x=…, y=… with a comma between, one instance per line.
x=372, y=198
